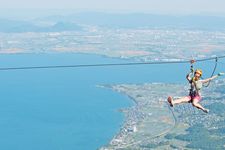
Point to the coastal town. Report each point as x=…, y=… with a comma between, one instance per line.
x=136, y=44
x=112, y=75
x=152, y=123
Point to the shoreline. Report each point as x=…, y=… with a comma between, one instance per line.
x=135, y=118
x=152, y=124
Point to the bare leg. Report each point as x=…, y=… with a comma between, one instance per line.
x=199, y=106
x=185, y=99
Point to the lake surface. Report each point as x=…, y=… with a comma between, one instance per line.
x=62, y=109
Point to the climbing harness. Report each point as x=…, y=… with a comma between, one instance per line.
x=191, y=90
x=191, y=93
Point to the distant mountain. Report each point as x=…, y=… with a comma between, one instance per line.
x=61, y=26
x=142, y=20
x=23, y=26
x=112, y=20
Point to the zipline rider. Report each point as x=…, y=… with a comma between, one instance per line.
x=194, y=96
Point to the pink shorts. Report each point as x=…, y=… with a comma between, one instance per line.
x=196, y=98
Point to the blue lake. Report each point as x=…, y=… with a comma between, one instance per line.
x=62, y=109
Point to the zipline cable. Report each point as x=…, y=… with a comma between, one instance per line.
x=108, y=64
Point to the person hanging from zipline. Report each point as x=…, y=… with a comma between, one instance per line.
x=196, y=83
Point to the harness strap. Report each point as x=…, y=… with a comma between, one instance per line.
x=191, y=90
x=216, y=60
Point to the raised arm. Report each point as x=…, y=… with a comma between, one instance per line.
x=188, y=76
x=212, y=78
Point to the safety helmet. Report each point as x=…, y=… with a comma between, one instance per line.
x=199, y=71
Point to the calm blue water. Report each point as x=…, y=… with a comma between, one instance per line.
x=62, y=109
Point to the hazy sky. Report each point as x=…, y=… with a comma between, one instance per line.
x=146, y=6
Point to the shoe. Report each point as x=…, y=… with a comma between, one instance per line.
x=170, y=101
x=206, y=110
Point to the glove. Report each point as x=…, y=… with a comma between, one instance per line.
x=192, y=61
x=220, y=74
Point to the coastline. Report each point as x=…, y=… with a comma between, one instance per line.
x=152, y=124
x=139, y=117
